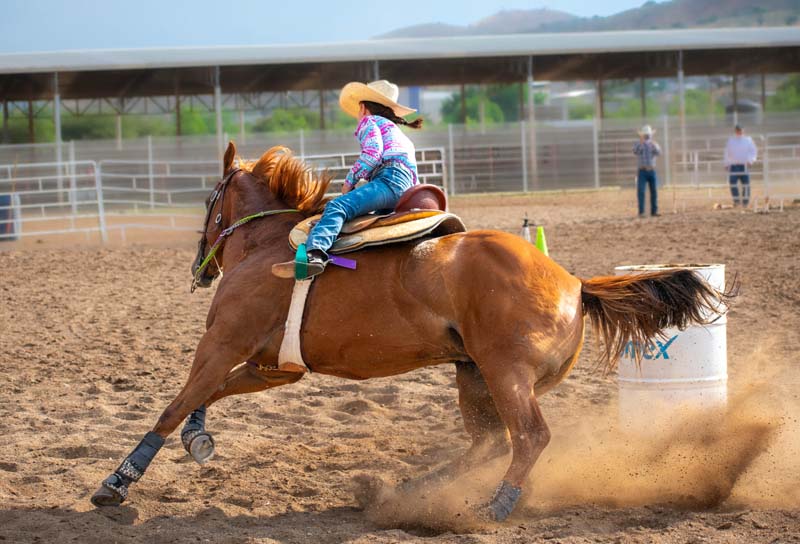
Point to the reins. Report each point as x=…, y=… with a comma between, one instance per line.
x=220, y=193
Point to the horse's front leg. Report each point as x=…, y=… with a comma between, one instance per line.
x=247, y=378
x=212, y=363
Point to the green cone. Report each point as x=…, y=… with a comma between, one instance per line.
x=541, y=242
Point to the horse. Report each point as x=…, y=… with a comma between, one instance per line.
x=510, y=319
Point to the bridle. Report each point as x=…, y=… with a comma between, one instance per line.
x=218, y=194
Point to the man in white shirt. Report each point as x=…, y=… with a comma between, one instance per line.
x=740, y=153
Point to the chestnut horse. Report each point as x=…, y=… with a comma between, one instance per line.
x=511, y=320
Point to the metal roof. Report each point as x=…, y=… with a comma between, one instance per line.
x=403, y=49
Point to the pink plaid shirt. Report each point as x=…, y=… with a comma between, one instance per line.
x=381, y=141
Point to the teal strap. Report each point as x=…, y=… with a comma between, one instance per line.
x=301, y=263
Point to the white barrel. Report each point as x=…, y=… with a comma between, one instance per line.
x=683, y=371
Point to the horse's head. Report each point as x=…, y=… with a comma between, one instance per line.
x=277, y=183
x=213, y=225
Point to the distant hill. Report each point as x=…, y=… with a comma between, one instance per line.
x=651, y=15
x=503, y=22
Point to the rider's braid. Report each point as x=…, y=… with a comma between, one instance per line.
x=384, y=111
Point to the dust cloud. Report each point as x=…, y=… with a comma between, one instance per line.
x=744, y=455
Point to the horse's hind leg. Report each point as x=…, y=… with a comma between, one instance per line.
x=481, y=419
x=512, y=390
x=482, y=423
x=247, y=378
x=211, y=365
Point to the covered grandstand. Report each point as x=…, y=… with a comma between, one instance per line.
x=528, y=154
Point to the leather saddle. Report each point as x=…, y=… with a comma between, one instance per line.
x=419, y=212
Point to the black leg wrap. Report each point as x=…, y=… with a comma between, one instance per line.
x=195, y=425
x=134, y=465
x=132, y=468
x=504, y=501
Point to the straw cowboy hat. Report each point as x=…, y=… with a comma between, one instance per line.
x=382, y=92
x=646, y=130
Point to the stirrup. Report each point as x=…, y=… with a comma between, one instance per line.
x=301, y=267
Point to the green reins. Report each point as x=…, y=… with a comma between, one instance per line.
x=228, y=231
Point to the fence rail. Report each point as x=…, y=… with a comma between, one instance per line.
x=150, y=179
x=51, y=198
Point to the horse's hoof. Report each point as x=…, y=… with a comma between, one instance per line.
x=502, y=504
x=201, y=448
x=106, y=497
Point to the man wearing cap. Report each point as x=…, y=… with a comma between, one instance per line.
x=646, y=151
x=740, y=153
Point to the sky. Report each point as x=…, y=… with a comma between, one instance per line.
x=54, y=25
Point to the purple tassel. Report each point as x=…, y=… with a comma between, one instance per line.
x=344, y=263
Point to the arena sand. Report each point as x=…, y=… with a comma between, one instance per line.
x=96, y=341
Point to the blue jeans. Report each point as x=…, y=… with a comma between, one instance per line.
x=644, y=179
x=739, y=173
x=387, y=186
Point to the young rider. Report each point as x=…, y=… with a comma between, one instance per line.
x=387, y=162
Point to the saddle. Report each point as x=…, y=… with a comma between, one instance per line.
x=419, y=212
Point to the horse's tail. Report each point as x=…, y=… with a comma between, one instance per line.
x=638, y=307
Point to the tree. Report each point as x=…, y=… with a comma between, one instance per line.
x=138, y=126
x=501, y=103
x=473, y=96
x=631, y=108
x=580, y=109
x=697, y=102
x=787, y=95
x=287, y=120
x=88, y=127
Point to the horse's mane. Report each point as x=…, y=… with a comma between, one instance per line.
x=290, y=179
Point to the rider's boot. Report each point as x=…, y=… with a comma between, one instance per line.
x=305, y=265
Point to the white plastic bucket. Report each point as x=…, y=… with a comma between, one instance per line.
x=685, y=370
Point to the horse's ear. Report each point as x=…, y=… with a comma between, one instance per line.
x=230, y=153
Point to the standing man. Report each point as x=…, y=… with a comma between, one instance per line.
x=646, y=151
x=740, y=153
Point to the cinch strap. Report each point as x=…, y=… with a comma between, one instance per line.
x=290, y=346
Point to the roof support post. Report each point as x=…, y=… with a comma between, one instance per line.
x=57, y=124
x=5, y=121
x=31, y=128
x=711, y=117
x=763, y=93
x=463, y=104
x=482, y=108
x=735, y=91
x=376, y=70
x=682, y=105
x=218, y=113
x=119, y=131
x=643, y=97
x=120, y=109
x=321, y=109
x=599, y=110
x=242, y=128
x=178, y=129
x=533, y=161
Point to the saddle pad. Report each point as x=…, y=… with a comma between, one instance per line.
x=385, y=230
